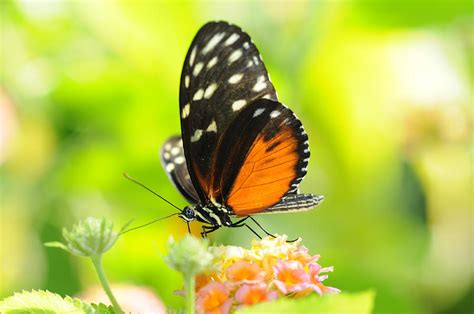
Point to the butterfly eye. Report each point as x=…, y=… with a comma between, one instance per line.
x=188, y=214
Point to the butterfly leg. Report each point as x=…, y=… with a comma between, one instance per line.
x=238, y=223
x=241, y=223
x=266, y=232
x=253, y=231
x=260, y=226
x=208, y=229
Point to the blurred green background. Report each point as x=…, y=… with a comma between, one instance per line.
x=89, y=90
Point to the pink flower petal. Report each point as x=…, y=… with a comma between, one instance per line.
x=213, y=298
x=251, y=294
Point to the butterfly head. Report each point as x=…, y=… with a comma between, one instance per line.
x=188, y=214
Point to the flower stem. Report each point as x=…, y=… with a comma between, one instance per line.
x=190, y=283
x=97, y=261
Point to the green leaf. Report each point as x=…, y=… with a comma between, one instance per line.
x=359, y=303
x=40, y=301
x=102, y=309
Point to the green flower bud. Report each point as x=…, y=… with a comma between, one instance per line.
x=190, y=256
x=89, y=237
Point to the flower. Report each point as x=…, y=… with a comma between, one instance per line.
x=316, y=280
x=252, y=294
x=244, y=271
x=272, y=268
x=89, y=237
x=189, y=256
x=213, y=298
x=290, y=277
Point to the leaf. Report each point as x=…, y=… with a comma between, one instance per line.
x=359, y=303
x=40, y=301
x=101, y=308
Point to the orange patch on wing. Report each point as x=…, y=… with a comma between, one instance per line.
x=266, y=174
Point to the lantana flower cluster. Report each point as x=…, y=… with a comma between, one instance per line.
x=271, y=269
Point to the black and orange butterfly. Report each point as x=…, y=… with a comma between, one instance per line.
x=241, y=152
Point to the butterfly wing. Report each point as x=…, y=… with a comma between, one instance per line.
x=222, y=74
x=295, y=203
x=254, y=172
x=174, y=162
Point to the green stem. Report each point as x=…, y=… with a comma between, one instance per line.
x=190, y=283
x=97, y=261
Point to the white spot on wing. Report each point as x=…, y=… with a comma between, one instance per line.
x=179, y=160
x=192, y=57
x=235, y=55
x=197, y=68
x=166, y=155
x=198, y=95
x=267, y=96
x=167, y=146
x=255, y=60
x=196, y=136
x=249, y=63
x=175, y=151
x=212, y=127
x=232, y=39
x=235, y=78
x=186, y=81
x=213, y=42
x=258, y=112
x=275, y=113
x=237, y=105
x=260, y=85
x=212, y=63
x=246, y=45
x=185, y=112
x=169, y=167
x=210, y=90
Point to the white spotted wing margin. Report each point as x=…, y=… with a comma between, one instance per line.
x=295, y=203
x=223, y=73
x=173, y=161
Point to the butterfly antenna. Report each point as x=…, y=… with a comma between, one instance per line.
x=147, y=188
x=148, y=223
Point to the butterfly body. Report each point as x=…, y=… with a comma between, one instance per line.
x=241, y=152
x=211, y=214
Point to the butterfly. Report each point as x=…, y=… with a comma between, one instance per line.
x=241, y=152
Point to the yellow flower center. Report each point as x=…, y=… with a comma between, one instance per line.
x=288, y=277
x=214, y=300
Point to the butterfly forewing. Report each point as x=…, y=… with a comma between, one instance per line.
x=223, y=73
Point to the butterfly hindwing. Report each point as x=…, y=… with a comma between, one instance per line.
x=253, y=172
x=294, y=203
x=223, y=73
x=174, y=162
